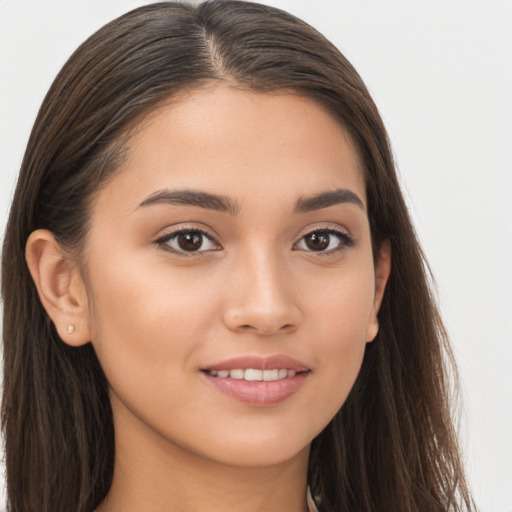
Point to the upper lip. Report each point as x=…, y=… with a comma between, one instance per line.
x=275, y=362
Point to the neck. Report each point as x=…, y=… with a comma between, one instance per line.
x=155, y=475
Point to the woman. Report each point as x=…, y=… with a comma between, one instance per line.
x=214, y=297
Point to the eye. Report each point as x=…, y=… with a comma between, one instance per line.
x=187, y=241
x=325, y=241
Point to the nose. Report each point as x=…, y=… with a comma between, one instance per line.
x=262, y=298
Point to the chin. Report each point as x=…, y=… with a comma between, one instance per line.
x=251, y=456
x=262, y=448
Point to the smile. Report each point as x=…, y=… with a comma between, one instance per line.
x=258, y=381
x=252, y=374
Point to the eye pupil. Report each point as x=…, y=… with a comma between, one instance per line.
x=317, y=241
x=190, y=241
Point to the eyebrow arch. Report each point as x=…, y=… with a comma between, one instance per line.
x=193, y=198
x=326, y=199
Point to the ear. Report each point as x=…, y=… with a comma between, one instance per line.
x=60, y=287
x=382, y=271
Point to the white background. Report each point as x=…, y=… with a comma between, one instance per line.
x=440, y=72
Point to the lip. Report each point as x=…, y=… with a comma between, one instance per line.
x=259, y=393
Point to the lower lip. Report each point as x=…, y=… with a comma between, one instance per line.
x=260, y=393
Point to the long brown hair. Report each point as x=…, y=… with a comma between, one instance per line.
x=392, y=445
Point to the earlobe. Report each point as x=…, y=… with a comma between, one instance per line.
x=382, y=271
x=60, y=287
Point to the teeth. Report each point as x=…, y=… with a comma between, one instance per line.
x=251, y=374
x=254, y=375
x=270, y=374
x=236, y=374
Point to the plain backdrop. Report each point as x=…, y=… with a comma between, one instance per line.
x=441, y=74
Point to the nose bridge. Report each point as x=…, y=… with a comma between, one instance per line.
x=262, y=297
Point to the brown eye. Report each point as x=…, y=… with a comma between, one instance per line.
x=318, y=240
x=190, y=241
x=187, y=241
x=325, y=241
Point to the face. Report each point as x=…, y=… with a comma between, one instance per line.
x=230, y=278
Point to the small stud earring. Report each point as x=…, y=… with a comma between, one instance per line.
x=71, y=329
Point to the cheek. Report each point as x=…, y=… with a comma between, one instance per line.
x=147, y=320
x=341, y=314
x=343, y=305
x=149, y=330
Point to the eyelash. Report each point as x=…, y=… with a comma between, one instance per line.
x=346, y=241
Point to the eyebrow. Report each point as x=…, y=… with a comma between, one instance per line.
x=226, y=205
x=326, y=199
x=193, y=198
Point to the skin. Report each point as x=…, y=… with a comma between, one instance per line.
x=156, y=318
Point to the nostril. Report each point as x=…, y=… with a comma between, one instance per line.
x=265, y=321
x=268, y=330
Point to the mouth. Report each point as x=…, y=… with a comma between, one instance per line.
x=253, y=374
x=258, y=381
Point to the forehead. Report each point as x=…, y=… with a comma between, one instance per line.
x=241, y=144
